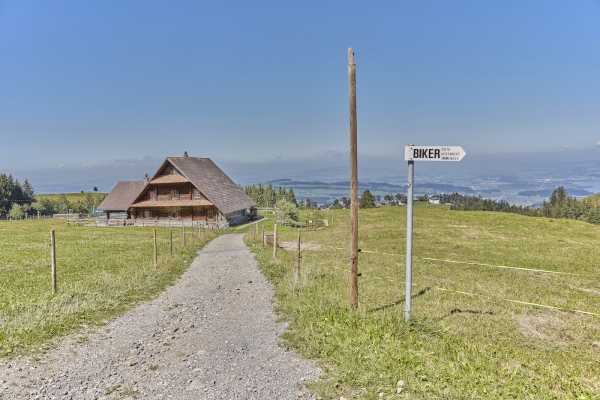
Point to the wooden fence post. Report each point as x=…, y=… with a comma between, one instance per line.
x=170, y=241
x=155, y=250
x=275, y=243
x=53, y=255
x=298, y=259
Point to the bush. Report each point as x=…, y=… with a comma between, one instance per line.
x=287, y=212
x=16, y=211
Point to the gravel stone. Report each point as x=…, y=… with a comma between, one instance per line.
x=212, y=335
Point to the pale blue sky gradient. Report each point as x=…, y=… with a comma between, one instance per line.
x=84, y=84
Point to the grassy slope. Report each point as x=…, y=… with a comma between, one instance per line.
x=101, y=273
x=594, y=198
x=71, y=197
x=456, y=346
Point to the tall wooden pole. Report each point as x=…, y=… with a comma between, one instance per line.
x=53, y=255
x=353, y=183
x=170, y=241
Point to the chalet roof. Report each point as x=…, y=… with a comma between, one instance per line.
x=214, y=184
x=122, y=196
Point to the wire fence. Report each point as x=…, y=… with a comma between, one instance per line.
x=516, y=301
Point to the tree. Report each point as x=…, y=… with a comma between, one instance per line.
x=378, y=197
x=27, y=190
x=38, y=206
x=88, y=203
x=16, y=211
x=270, y=196
x=11, y=191
x=287, y=212
x=63, y=204
x=367, y=200
x=291, y=197
x=344, y=201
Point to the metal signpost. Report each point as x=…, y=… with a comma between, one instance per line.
x=411, y=154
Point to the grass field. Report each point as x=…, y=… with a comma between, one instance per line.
x=457, y=345
x=101, y=273
x=71, y=197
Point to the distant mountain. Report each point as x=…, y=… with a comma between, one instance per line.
x=548, y=193
x=378, y=186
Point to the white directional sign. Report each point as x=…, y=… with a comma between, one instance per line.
x=411, y=154
x=433, y=153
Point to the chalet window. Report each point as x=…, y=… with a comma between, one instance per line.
x=210, y=213
x=163, y=194
x=152, y=195
x=176, y=194
x=175, y=215
x=197, y=194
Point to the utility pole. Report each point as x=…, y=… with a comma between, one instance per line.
x=353, y=182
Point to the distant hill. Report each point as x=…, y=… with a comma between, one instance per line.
x=548, y=192
x=595, y=198
x=372, y=186
x=325, y=192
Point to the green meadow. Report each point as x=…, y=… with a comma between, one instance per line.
x=487, y=322
x=71, y=197
x=101, y=272
x=483, y=326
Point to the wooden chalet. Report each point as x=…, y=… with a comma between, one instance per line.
x=183, y=189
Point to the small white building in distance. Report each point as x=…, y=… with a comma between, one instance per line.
x=434, y=200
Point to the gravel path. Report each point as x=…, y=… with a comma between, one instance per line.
x=212, y=335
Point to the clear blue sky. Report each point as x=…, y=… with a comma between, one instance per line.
x=93, y=86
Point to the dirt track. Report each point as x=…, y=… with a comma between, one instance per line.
x=212, y=335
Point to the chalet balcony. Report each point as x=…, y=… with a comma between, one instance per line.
x=172, y=203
